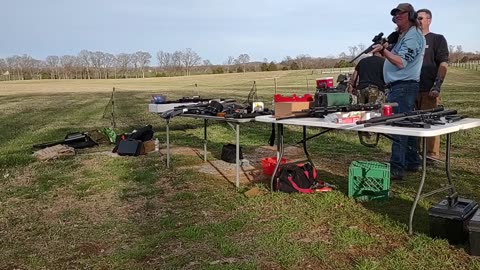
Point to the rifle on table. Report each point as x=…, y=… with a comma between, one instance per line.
x=381, y=120
x=206, y=108
x=322, y=111
x=418, y=119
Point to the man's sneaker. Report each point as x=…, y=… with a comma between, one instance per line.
x=396, y=177
x=414, y=169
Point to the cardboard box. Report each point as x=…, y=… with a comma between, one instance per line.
x=147, y=147
x=287, y=108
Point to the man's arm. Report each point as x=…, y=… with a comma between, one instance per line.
x=353, y=81
x=441, y=56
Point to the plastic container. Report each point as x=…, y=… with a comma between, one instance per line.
x=474, y=234
x=387, y=110
x=450, y=222
x=369, y=180
x=326, y=82
x=293, y=98
x=269, y=163
x=158, y=99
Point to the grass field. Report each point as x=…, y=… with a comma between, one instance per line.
x=94, y=211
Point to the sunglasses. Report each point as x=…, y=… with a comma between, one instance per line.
x=421, y=18
x=400, y=13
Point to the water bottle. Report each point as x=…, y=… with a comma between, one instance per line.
x=157, y=145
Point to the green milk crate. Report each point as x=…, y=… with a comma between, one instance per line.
x=369, y=180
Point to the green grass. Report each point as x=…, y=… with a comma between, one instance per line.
x=97, y=211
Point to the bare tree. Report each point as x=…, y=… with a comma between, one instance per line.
x=68, y=62
x=53, y=63
x=302, y=60
x=207, y=66
x=164, y=60
x=361, y=47
x=190, y=59
x=84, y=60
x=177, y=61
x=229, y=62
x=143, y=59
x=4, y=72
x=110, y=63
x=243, y=59
x=123, y=61
x=353, y=50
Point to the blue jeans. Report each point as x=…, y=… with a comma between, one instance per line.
x=404, y=152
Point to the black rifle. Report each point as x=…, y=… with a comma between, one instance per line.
x=208, y=108
x=378, y=39
x=322, y=111
x=75, y=140
x=421, y=120
x=383, y=119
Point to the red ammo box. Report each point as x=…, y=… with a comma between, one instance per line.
x=293, y=98
x=269, y=163
x=328, y=81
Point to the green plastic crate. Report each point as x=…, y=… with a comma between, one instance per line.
x=369, y=180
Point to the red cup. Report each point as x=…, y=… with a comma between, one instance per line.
x=387, y=110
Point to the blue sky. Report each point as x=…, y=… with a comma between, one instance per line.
x=217, y=29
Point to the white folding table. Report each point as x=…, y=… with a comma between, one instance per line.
x=232, y=122
x=423, y=133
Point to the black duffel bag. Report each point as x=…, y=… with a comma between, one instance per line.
x=229, y=153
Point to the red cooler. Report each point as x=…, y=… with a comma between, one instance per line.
x=327, y=81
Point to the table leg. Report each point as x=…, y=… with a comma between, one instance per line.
x=419, y=191
x=304, y=143
x=237, y=155
x=205, y=140
x=280, y=152
x=168, y=143
x=447, y=163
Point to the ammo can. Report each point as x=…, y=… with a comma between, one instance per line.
x=474, y=234
x=449, y=220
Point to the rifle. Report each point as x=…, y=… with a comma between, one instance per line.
x=383, y=119
x=322, y=111
x=75, y=140
x=209, y=108
x=422, y=120
x=378, y=39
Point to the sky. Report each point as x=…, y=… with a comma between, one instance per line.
x=217, y=29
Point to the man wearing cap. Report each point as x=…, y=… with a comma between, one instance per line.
x=434, y=69
x=401, y=72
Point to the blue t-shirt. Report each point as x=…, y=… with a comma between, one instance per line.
x=410, y=48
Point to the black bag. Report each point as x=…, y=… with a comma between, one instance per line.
x=293, y=177
x=129, y=147
x=229, y=153
x=143, y=134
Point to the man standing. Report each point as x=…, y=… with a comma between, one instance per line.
x=434, y=69
x=401, y=72
x=367, y=80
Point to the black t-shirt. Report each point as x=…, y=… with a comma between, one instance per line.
x=370, y=71
x=436, y=52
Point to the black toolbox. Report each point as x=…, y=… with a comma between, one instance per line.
x=448, y=219
x=474, y=234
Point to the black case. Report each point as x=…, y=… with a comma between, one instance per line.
x=229, y=153
x=474, y=234
x=129, y=147
x=450, y=222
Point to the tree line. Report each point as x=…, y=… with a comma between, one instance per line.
x=101, y=65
